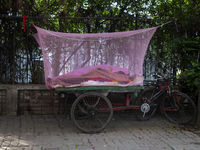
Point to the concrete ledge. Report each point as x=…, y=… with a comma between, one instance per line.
x=12, y=95
x=23, y=86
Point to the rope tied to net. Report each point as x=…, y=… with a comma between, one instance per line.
x=165, y=23
x=175, y=19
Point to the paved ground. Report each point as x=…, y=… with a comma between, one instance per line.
x=55, y=132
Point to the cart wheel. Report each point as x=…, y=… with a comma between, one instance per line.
x=146, y=110
x=91, y=112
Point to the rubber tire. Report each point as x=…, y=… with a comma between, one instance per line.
x=177, y=116
x=74, y=107
x=147, y=93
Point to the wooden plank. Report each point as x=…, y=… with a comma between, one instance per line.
x=108, y=88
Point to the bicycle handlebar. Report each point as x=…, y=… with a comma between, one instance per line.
x=162, y=76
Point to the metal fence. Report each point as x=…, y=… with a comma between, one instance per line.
x=21, y=58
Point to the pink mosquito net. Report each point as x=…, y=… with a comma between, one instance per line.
x=94, y=59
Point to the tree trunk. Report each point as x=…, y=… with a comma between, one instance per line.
x=198, y=109
x=198, y=102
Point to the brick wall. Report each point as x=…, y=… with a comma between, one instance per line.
x=2, y=102
x=40, y=102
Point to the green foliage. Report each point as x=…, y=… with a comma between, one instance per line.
x=190, y=50
x=191, y=78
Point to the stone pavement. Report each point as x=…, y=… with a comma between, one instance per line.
x=55, y=132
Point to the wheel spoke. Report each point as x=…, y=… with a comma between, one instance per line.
x=97, y=102
x=99, y=120
x=82, y=109
x=185, y=114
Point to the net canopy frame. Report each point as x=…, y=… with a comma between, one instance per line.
x=93, y=59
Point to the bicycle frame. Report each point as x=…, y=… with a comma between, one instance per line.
x=161, y=92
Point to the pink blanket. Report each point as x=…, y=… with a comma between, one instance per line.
x=68, y=79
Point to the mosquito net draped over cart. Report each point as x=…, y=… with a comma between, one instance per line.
x=94, y=59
